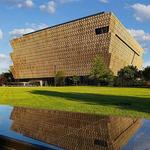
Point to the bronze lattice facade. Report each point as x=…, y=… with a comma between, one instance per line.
x=72, y=46
x=74, y=131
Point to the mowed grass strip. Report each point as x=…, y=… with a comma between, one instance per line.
x=134, y=102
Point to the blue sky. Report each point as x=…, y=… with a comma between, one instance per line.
x=22, y=16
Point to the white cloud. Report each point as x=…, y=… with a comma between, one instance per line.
x=18, y=32
x=103, y=1
x=142, y=11
x=50, y=7
x=26, y=4
x=140, y=35
x=4, y=63
x=36, y=26
x=1, y=34
x=2, y=57
x=19, y=3
x=146, y=64
x=33, y=27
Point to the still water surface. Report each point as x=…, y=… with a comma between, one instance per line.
x=49, y=129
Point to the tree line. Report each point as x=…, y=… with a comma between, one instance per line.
x=100, y=74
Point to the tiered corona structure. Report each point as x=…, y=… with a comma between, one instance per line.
x=74, y=131
x=71, y=47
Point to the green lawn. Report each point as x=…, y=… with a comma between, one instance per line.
x=99, y=100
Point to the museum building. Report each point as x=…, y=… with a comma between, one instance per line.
x=71, y=47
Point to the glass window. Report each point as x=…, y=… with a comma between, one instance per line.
x=102, y=30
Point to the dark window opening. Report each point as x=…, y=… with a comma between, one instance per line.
x=102, y=30
x=100, y=142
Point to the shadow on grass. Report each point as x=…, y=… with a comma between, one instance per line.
x=122, y=102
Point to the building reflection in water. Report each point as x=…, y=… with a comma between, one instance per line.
x=74, y=131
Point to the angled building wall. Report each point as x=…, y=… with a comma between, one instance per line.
x=72, y=46
x=124, y=49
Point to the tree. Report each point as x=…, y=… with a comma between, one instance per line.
x=75, y=79
x=100, y=73
x=3, y=80
x=146, y=73
x=128, y=75
x=6, y=78
x=60, y=78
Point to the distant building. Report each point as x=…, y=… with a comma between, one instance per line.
x=74, y=131
x=71, y=47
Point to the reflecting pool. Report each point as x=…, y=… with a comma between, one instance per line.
x=27, y=128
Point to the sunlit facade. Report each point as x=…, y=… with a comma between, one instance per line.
x=71, y=47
